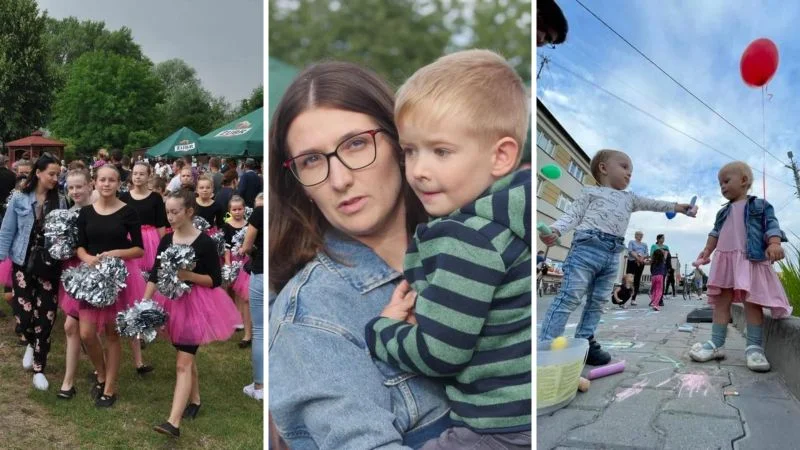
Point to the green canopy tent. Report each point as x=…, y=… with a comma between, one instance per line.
x=281, y=76
x=242, y=137
x=180, y=143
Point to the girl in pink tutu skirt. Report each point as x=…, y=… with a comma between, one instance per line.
x=747, y=240
x=203, y=315
x=79, y=188
x=109, y=227
x=207, y=208
x=241, y=286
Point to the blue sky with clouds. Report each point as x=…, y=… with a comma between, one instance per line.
x=700, y=44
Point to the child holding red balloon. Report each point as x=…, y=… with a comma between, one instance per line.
x=747, y=239
x=600, y=217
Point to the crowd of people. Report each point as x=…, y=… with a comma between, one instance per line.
x=134, y=211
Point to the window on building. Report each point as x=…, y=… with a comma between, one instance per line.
x=576, y=171
x=539, y=186
x=563, y=202
x=544, y=142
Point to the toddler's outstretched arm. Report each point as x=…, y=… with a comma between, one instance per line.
x=705, y=256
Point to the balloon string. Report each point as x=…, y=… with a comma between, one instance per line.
x=764, y=136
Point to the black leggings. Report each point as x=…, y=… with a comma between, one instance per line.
x=636, y=270
x=670, y=282
x=35, y=303
x=192, y=349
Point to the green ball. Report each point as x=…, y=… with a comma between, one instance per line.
x=551, y=171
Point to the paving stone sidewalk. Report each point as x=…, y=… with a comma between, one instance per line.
x=663, y=399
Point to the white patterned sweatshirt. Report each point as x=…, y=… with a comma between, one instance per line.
x=606, y=209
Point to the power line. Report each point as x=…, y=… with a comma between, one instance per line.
x=551, y=61
x=678, y=82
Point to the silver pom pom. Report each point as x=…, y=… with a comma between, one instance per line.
x=219, y=240
x=96, y=285
x=247, y=211
x=230, y=271
x=142, y=320
x=61, y=233
x=200, y=223
x=175, y=257
x=237, y=240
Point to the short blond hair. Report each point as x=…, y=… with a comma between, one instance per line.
x=477, y=87
x=601, y=157
x=742, y=168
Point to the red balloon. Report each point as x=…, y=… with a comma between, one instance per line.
x=759, y=62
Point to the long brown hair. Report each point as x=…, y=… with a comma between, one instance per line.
x=296, y=226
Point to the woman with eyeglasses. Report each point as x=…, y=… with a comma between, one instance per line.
x=35, y=275
x=341, y=215
x=108, y=228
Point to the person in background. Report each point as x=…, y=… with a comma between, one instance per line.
x=249, y=183
x=116, y=159
x=228, y=189
x=192, y=165
x=175, y=184
x=659, y=245
x=637, y=253
x=7, y=181
x=23, y=168
x=216, y=175
x=551, y=25
x=623, y=292
x=658, y=269
x=254, y=246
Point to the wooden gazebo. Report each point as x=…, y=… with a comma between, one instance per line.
x=34, y=145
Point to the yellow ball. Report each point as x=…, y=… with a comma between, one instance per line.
x=559, y=343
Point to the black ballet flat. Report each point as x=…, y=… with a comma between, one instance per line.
x=168, y=429
x=68, y=394
x=143, y=369
x=97, y=390
x=244, y=343
x=105, y=401
x=191, y=410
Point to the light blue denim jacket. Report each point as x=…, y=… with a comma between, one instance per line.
x=17, y=225
x=326, y=391
x=760, y=222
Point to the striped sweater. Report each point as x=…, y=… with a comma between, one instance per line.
x=472, y=274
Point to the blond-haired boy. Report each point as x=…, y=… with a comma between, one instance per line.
x=462, y=122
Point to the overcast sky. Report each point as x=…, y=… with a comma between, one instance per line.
x=699, y=44
x=222, y=40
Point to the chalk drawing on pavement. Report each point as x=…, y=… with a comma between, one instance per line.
x=631, y=391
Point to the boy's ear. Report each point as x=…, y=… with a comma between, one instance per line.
x=505, y=156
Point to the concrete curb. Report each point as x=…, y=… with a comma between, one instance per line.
x=781, y=344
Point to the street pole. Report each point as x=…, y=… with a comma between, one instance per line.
x=545, y=60
x=793, y=166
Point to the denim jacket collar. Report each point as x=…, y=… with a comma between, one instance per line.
x=342, y=251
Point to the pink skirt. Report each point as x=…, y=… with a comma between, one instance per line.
x=753, y=282
x=241, y=286
x=150, y=240
x=127, y=297
x=5, y=272
x=199, y=317
x=66, y=302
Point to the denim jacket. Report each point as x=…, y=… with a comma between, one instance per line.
x=17, y=225
x=761, y=224
x=326, y=391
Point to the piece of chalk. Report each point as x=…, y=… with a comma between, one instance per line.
x=694, y=199
x=583, y=384
x=608, y=369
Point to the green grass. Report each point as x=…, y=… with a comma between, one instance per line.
x=790, y=278
x=227, y=420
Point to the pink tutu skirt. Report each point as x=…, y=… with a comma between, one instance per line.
x=66, y=302
x=150, y=240
x=202, y=316
x=132, y=293
x=5, y=272
x=241, y=286
x=753, y=282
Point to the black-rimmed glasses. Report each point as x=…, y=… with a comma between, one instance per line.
x=355, y=152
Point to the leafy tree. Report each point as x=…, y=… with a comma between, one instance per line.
x=255, y=101
x=392, y=37
x=25, y=81
x=107, y=101
x=186, y=102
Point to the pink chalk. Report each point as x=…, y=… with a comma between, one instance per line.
x=606, y=370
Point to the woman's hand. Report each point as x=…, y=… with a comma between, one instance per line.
x=401, y=305
x=774, y=252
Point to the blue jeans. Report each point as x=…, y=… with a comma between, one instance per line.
x=257, y=315
x=590, y=269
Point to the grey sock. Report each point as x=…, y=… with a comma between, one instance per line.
x=718, y=333
x=754, y=335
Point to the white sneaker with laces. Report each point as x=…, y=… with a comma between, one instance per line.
x=756, y=359
x=27, y=359
x=700, y=353
x=40, y=382
x=251, y=391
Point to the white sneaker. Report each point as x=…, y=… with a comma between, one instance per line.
x=701, y=354
x=756, y=359
x=251, y=391
x=27, y=359
x=40, y=382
